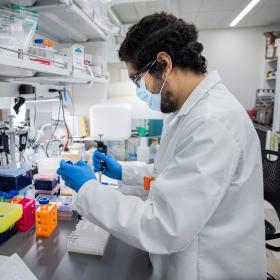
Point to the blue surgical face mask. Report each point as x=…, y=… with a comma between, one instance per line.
x=153, y=100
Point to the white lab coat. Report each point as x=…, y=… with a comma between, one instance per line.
x=203, y=217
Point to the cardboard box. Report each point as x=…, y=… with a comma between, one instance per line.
x=271, y=49
x=77, y=54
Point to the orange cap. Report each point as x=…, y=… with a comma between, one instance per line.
x=147, y=183
x=49, y=43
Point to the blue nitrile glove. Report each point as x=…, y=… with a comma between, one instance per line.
x=75, y=175
x=113, y=168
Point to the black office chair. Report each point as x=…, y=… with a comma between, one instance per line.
x=271, y=177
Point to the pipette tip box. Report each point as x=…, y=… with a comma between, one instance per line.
x=45, y=182
x=15, y=178
x=4, y=236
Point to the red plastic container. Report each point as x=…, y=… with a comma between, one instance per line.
x=28, y=216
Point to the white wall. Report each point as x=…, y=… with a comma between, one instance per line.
x=84, y=98
x=122, y=90
x=125, y=92
x=238, y=55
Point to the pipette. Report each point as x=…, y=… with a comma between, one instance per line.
x=23, y=133
x=102, y=148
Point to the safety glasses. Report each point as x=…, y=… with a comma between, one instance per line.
x=136, y=78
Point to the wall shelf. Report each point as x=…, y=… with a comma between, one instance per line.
x=276, y=111
x=271, y=79
x=76, y=77
x=272, y=60
x=67, y=23
x=26, y=64
x=13, y=69
x=63, y=81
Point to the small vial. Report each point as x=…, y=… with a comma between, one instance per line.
x=49, y=46
x=8, y=197
x=16, y=198
x=39, y=45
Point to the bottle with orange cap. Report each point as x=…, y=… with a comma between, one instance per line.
x=154, y=149
x=46, y=217
x=49, y=46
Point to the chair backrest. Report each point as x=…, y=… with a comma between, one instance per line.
x=271, y=178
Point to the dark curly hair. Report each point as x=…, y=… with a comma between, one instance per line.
x=163, y=32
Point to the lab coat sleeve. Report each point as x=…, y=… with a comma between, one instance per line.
x=133, y=190
x=182, y=199
x=133, y=172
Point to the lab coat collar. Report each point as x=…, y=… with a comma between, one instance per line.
x=205, y=85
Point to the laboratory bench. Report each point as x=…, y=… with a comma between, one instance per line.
x=49, y=259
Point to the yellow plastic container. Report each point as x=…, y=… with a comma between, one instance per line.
x=10, y=213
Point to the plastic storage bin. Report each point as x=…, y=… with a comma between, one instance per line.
x=10, y=213
x=37, y=52
x=42, y=51
x=28, y=216
x=17, y=29
x=46, y=218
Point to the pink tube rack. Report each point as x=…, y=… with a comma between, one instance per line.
x=28, y=217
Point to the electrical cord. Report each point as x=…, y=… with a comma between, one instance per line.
x=64, y=119
x=35, y=116
x=73, y=109
x=56, y=125
x=66, y=126
x=32, y=141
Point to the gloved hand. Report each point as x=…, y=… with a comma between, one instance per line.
x=75, y=175
x=113, y=168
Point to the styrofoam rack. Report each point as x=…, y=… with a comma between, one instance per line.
x=88, y=238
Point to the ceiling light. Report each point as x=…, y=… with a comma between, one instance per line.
x=244, y=12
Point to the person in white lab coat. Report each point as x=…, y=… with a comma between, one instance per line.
x=203, y=216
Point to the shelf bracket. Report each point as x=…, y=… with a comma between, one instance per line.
x=276, y=114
